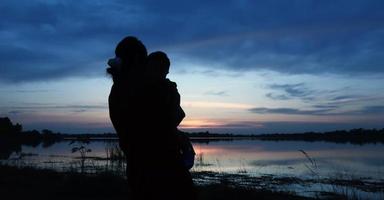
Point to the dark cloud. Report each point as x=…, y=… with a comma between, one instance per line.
x=289, y=111
x=371, y=110
x=345, y=97
x=291, y=91
x=217, y=93
x=322, y=102
x=310, y=37
x=51, y=39
x=33, y=108
x=321, y=110
x=322, y=106
x=48, y=40
x=15, y=112
x=62, y=107
x=295, y=90
x=277, y=96
x=80, y=111
x=338, y=101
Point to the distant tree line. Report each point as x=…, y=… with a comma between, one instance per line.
x=208, y=134
x=12, y=137
x=15, y=133
x=9, y=130
x=12, y=132
x=6, y=126
x=354, y=136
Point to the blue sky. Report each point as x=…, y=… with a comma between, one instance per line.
x=240, y=66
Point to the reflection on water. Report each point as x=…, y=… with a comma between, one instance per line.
x=302, y=167
x=284, y=158
x=251, y=157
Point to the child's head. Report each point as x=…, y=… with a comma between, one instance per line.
x=158, y=65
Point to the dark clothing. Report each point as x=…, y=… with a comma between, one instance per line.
x=145, y=118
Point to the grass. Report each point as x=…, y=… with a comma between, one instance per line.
x=21, y=182
x=28, y=182
x=342, y=187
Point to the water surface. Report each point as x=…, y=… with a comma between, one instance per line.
x=251, y=157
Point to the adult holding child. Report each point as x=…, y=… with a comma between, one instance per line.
x=145, y=111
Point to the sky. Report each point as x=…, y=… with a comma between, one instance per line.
x=241, y=66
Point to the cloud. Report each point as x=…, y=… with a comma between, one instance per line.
x=333, y=38
x=291, y=91
x=62, y=107
x=345, y=97
x=371, y=110
x=44, y=40
x=80, y=111
x=26, y=91
x=334, y=102
x=15, y=112
x=217, y=93
x=277, y=96
x=218, y=105
x=289, y=111
x=48, y=40
x=294, y=90
x=322, y=101
x=322, y=110
x=37, y=108
x=321, y=106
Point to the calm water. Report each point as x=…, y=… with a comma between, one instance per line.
x=251, y=157
x=316, y=164
x=286, y=158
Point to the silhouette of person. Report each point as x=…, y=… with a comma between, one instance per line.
x=126, y=70
x=157, y=68
x=145, y=112
x=173, y=180
x=158, y=65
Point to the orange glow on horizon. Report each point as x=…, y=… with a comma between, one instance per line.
x=199, y=123
x=218, y=123
x=207, y=104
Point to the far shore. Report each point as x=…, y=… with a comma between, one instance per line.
x=14, y=133
x=353, y=136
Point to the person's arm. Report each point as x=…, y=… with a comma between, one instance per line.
x=177, y=113
x=180, y=115
x=116, y=117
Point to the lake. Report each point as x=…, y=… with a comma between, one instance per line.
x=254, y=158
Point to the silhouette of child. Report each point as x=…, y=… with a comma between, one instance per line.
x=167, y=113
x=157, y=69
x=158, y=65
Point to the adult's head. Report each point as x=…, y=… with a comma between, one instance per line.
x=131, y=54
